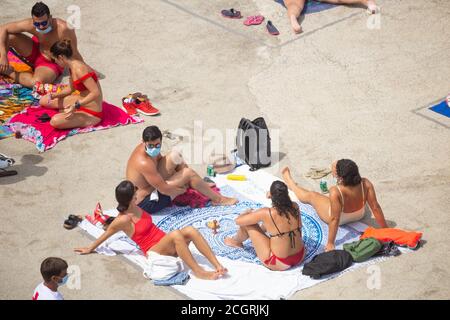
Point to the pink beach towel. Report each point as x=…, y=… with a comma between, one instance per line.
x=45, y=137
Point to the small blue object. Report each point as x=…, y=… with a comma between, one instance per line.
x=180, y=278
x=442, y=108
x=312, y=6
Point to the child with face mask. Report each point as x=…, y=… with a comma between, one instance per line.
x=54, y=273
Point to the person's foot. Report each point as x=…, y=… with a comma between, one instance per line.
x=296, y=27
x=225, y=201
x=372, y=8
x=286, y=173
x=221, y=270
x=207, y=275
x=231, y=242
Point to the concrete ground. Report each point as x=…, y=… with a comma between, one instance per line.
x=339, y=90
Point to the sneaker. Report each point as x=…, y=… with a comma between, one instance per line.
x=130, y=106
x=146, y=108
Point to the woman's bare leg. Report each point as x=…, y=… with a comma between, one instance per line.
x=192, y=234
x=320, y=202
x=294, y=8
x=175, y=244
x=370, y=4
x=238, y=239
x=61, y=121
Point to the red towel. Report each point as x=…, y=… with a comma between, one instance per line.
x=400, y=237
x=193, y=198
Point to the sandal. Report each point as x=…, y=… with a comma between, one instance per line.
x=317, y=173
x=272, y=29
x=254, y=20
x=7, y=173
x=232, y=14
x=72, y=222
x=44, y=118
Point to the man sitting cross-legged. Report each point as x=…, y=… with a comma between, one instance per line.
x=169, y=175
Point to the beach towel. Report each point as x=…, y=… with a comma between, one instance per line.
x=442, y=108
x=5, y=132
x=400, y=237
x=247, y=278
x=312, y=6
x=45, y=137
x=13, y=100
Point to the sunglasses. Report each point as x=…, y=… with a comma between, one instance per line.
x=153, y=146
x=38, y=24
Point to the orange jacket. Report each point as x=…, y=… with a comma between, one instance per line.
x=400, y=237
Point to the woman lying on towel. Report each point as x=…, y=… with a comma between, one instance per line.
x=347, y=200
x=283, y=247
x=138, y=225
x=78, y=110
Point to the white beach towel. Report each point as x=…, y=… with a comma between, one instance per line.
x=247, y=277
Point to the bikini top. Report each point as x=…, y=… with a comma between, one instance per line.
x=357, y=212
x=78, y=84
x=280, y=234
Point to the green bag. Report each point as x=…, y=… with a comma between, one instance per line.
x=362, y=250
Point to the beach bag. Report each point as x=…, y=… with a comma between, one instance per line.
x=362, y=250
x=253, y=143
x=327, y=263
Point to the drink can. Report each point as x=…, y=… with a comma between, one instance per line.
x=323, y=186
x=210, y=172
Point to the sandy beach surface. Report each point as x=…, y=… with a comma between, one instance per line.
x=340, y=90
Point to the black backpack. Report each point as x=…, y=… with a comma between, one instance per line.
x=327, y=263
x=253, y=143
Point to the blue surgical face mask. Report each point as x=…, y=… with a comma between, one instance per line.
x=153, y=152
x=45, y=31
x=63, y=281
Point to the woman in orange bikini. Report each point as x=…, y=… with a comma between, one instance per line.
x=347, y=200
x=283, y=247
x=80, y=110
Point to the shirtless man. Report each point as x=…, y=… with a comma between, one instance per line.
x=45, y=30
x=295, y=8
x=148, y=170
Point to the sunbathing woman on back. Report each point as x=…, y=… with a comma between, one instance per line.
x=139, y=226
x=283, y=248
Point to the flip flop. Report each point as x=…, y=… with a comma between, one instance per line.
x=272, y=29
x=232, y=14
x=72, y=222
x=317, y=173
x=254, y=20
x=7, y=173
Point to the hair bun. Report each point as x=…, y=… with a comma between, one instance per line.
x=67, y=42
x=122, y=208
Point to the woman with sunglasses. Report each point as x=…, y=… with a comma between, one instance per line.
x=139, y=226
x=79, y=110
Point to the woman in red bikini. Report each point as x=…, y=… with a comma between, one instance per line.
x=79, y=110
x=283, y=247
x=139, y=226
